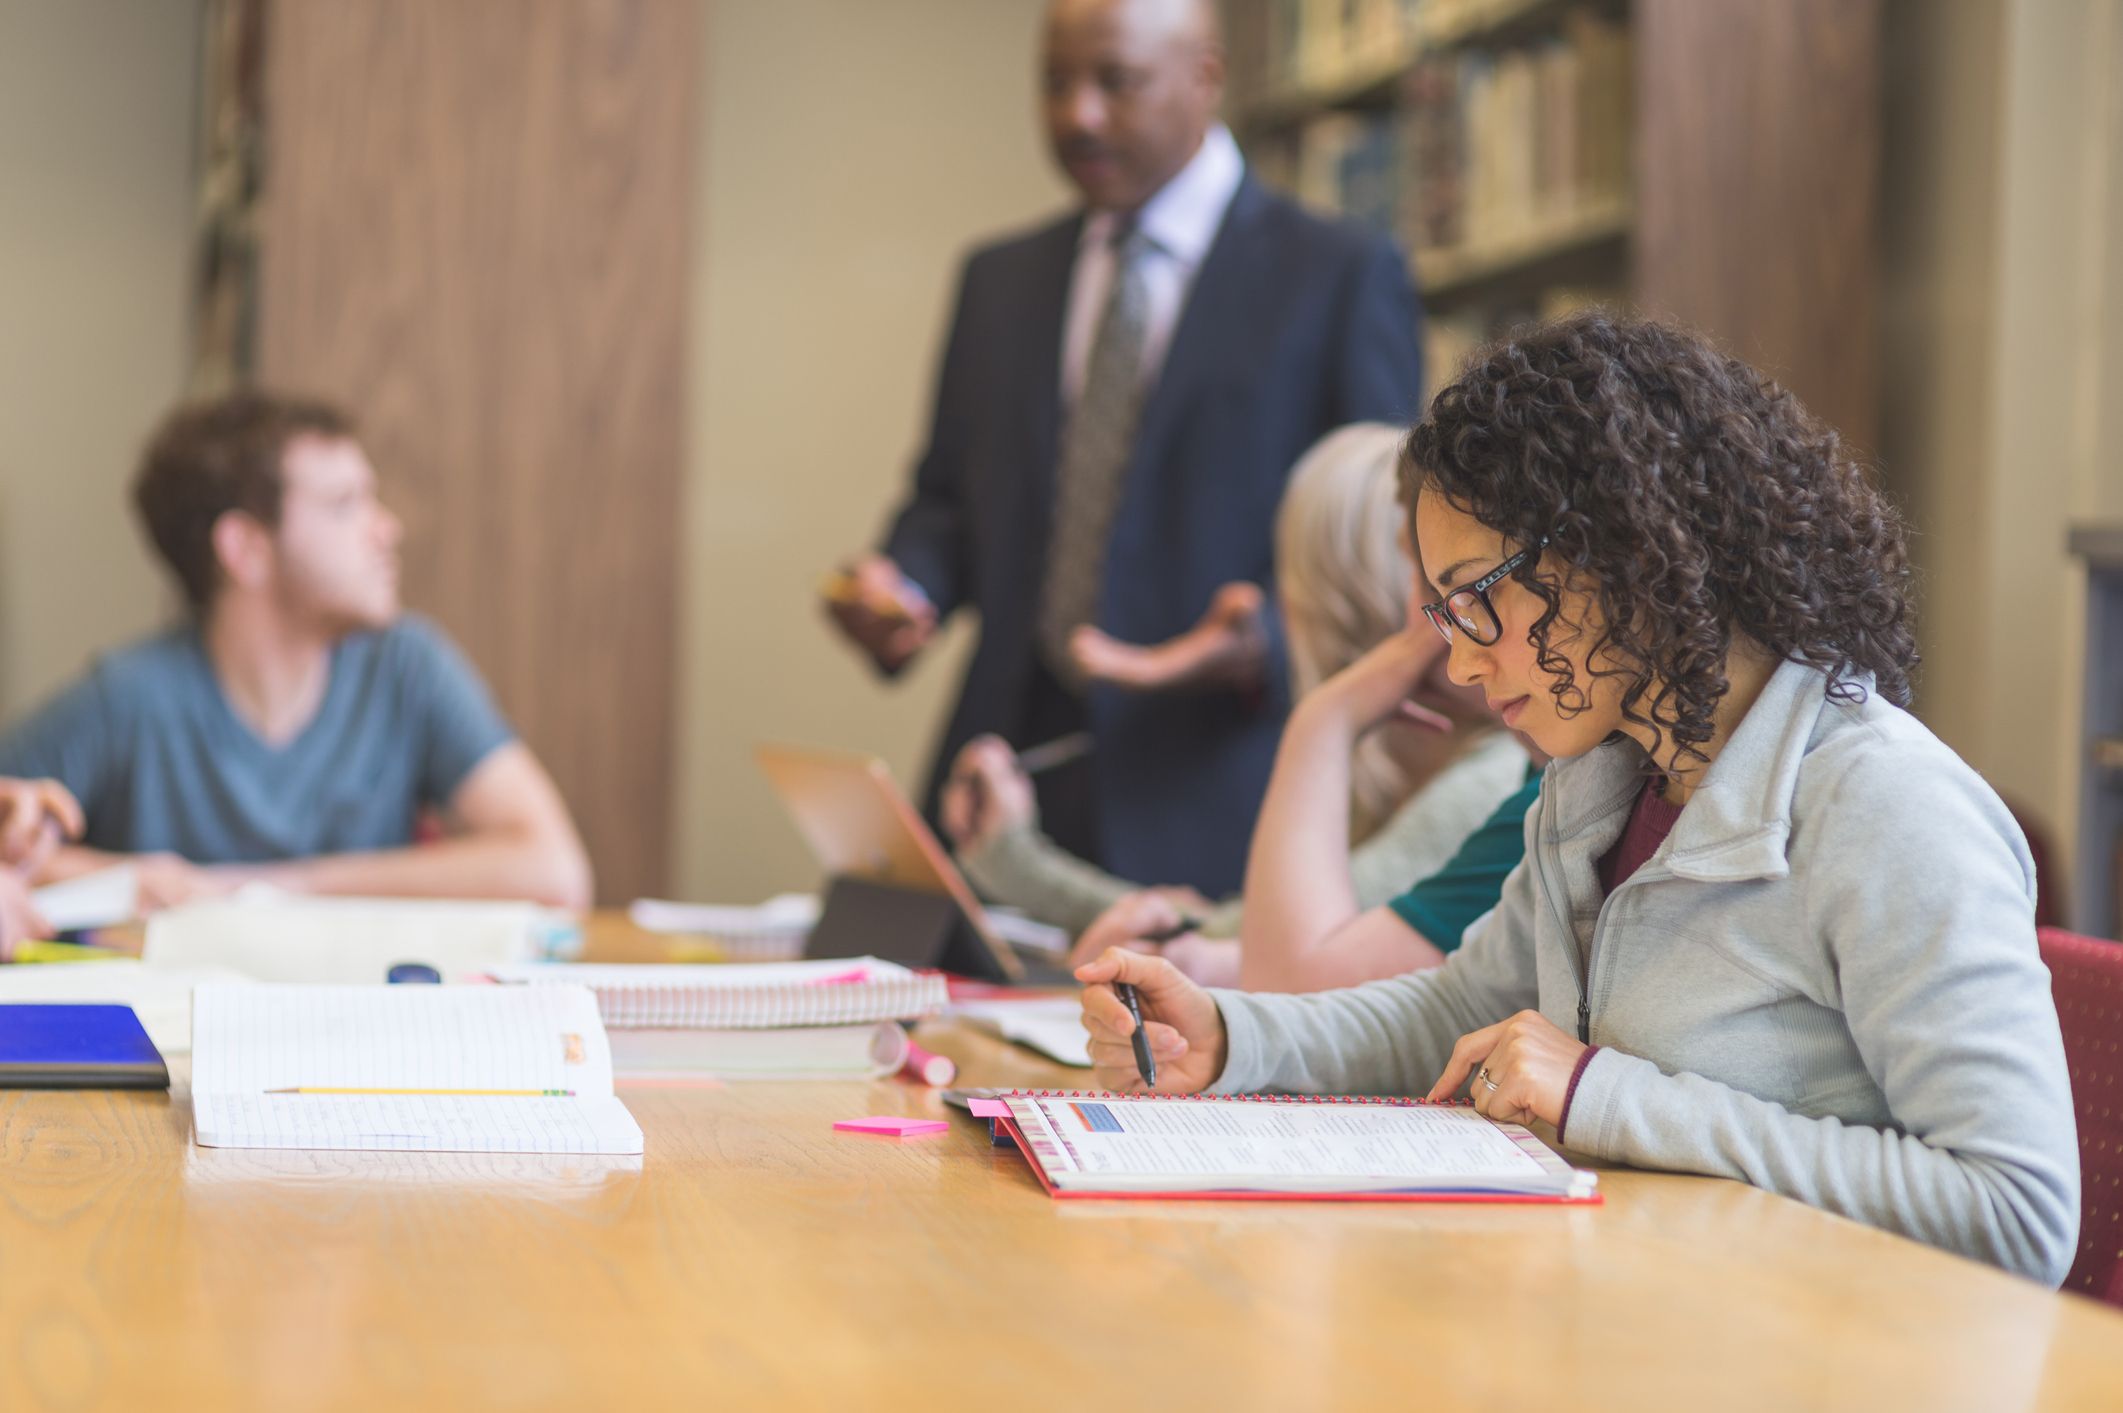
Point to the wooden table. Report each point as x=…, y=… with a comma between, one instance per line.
x=755, y=1257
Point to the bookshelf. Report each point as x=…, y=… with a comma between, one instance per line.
x=1713, y=161
x=231, y=147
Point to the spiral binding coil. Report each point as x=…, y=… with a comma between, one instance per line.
x=1389, y=1101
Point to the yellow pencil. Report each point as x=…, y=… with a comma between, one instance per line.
x=42, y=951
x=484, y=1093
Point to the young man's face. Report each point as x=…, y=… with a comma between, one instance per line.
x=336, y=549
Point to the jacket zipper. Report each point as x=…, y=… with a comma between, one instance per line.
x=1581, y=968
x=1551, y=879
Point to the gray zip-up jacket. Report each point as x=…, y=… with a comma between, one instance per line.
x=1824, y=983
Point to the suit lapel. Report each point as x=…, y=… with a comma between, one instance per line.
x=1214, y=299
x=1046, y=316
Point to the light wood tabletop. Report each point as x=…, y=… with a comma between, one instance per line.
x=756, y=1257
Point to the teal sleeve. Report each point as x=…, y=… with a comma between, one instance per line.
x=459, y=726
x=1442, y=905
x=69, y=739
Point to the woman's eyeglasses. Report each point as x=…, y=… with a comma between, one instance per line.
x=1468, y=609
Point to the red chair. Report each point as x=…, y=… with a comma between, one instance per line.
x=2086, y=976
x=2049, y=884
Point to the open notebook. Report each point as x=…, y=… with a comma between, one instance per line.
x=250, y=1041
x=1250, y=1146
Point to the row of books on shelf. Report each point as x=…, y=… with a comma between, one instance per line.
x=1295, y=46
x=1450, y=339
x=1484, y=149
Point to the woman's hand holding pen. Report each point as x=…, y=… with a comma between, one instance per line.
x=1180, y=1021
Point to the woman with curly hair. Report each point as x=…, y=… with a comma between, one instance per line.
x=1767, y=927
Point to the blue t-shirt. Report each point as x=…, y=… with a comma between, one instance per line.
x=1445, y=904
x=161, y=762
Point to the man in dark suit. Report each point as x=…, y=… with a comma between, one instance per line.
x=1122, y=396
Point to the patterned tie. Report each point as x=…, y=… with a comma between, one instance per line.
x=1094, y=457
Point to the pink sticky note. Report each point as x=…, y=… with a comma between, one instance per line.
x=988, y=1108
x=885, y=1126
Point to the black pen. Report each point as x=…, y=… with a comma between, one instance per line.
x=1185, y=925
x=1145, y=1065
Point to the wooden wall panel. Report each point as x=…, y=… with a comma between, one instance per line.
x=1758, y=159
x=475, y=238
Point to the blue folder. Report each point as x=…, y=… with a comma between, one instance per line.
x=76, y=1046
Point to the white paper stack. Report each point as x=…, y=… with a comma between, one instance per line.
x=104, y=898
x=691, y=1056
x=351, y=940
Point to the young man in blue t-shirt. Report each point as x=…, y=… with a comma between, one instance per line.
x=298, y=726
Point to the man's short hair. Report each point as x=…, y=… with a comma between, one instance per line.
x=209, y=458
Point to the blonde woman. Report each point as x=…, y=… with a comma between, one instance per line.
x=1344, y=574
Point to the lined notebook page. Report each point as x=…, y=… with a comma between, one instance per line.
x=247, y=1040
x=1125, y=1144
x=424, y=1123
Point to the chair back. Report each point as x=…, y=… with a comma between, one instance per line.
x=2086, y=975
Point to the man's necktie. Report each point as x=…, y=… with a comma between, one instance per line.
x=1096, y=447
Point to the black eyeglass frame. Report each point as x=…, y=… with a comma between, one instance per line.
x=1447, y=622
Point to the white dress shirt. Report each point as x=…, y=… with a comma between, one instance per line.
x=1181, y=221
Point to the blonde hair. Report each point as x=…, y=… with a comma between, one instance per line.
x=1345, y=573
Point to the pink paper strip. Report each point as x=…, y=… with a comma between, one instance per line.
x=887, y=1126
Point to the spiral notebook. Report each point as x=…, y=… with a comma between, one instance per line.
x=744, y=996
x=1090, y=1144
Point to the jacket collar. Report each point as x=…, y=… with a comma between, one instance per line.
x=1737, y=826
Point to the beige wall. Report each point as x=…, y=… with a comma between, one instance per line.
x=2005, y=352
x=2060, y=336
x=851, y=151
x=96, y=117
x=1944, y=86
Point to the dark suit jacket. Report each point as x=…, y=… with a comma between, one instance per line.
x=1294, y=326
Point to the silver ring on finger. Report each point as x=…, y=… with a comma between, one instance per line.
x=1490, y=1080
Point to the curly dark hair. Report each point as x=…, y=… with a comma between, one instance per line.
x=1698, y=495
